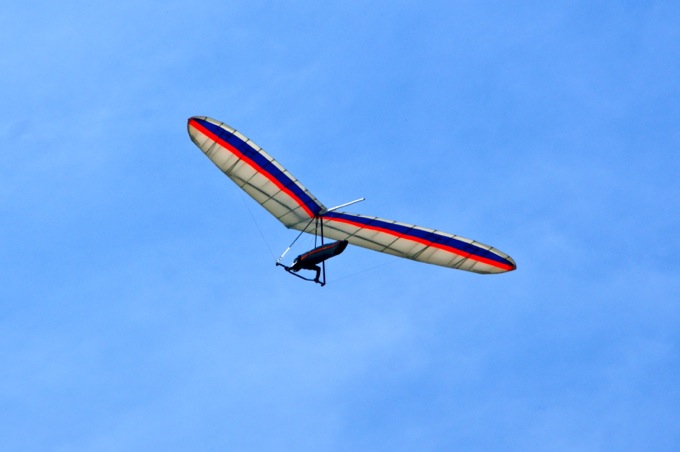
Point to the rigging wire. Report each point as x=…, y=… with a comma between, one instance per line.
x=264, y=239
x=365, y=270
x=293, y=243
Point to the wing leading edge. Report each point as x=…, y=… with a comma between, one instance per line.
x=271, y=185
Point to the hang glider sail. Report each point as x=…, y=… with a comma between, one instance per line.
x=278, y=191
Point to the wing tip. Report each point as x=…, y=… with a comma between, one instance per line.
x=506, y=266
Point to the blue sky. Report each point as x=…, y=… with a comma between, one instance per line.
x=140, y=308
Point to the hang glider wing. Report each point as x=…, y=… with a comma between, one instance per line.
x=290, y=202
x=417, y=243
x=255, y=171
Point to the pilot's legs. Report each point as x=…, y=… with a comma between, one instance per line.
x=318, y=272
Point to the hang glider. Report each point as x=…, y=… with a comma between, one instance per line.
x=278, y=191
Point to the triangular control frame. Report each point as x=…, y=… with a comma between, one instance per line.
x=318, y=234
